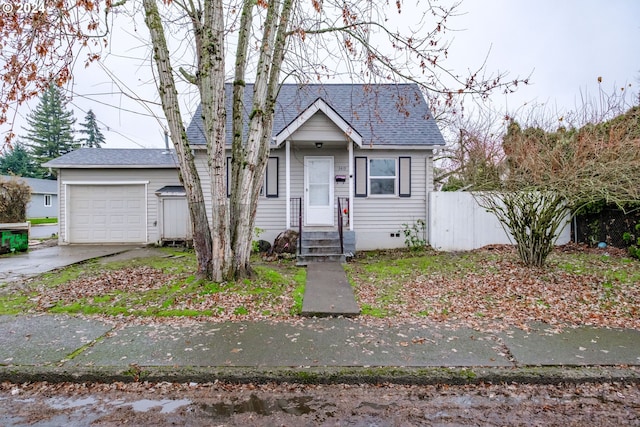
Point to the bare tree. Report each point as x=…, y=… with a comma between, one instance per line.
x=474, y=158
x=270, y=39
x=550, y=175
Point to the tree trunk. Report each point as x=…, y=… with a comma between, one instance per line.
x=212, y=97
x=188, y=173
x=250, y=158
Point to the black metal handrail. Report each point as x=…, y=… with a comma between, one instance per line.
x=340, y=221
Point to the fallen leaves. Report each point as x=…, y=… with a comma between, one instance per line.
x=499, y=293
x=487, y=290
x=109, y=282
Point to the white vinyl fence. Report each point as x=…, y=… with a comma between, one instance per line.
x=458, y=223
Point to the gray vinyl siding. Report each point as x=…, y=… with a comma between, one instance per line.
x=37, y=209
x=377, y=218
x=157, y=178
x=271, y=212
x=319, y=128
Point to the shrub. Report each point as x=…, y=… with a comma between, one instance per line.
x=633, y=240
x=414, y=235
x=14, y=196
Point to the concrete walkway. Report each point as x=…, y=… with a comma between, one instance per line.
x=328, y=292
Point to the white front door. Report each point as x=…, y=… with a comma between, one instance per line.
x=318, y=184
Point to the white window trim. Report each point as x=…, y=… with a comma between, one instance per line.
x=50, y=198
x=395, y=178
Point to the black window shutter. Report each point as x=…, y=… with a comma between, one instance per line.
x=361, y=181
x=404, y=176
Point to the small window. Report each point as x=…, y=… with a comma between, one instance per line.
x=382, y=177
x=47, y=200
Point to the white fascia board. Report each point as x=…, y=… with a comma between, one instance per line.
x=115, y=167
x=319, y=105
x=400, y=147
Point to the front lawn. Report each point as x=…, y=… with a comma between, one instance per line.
x=490, y=289
x=37, y=221
x=487, y=289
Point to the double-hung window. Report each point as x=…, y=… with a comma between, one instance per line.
x=47, y=200
x=382, y=177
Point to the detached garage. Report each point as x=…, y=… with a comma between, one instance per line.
x=109, y=213
x=110, y=196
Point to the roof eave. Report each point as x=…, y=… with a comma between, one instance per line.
x=318, y=105
x=102, y=166
x=401, y=146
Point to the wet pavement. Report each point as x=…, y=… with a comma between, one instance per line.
x=56, y=347
x=328, y=292
x=40, y=260
x=43, y=231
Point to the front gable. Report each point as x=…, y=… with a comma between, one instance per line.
x=318, y=122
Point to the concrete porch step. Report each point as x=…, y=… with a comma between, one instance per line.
x=321, y=249
x=306, y=259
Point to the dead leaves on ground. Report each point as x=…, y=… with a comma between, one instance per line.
x=496, y=293
x=501, y=292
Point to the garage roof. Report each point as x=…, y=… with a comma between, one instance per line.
x=115, y=158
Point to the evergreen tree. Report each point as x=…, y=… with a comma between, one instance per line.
x=18, y=162
x=50, y=132
x=93, y=136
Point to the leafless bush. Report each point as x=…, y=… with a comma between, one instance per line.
x=14, y=196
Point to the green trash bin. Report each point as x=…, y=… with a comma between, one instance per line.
x=14, y=241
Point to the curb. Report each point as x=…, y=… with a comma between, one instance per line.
x=347, y=375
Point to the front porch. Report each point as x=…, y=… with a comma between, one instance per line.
x=321, y=243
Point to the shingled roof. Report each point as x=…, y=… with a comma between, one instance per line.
x=116, y=158
x=38, y=186
x=388, y=114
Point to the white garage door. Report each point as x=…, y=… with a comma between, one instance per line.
x=106, y=214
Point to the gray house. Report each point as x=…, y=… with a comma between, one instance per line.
x=367, y=149
x=44, y=197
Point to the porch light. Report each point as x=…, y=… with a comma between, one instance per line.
x=318, y=144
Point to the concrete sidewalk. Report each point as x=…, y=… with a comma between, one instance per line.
x=61, y=348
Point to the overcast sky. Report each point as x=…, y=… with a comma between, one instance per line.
x=565, y=45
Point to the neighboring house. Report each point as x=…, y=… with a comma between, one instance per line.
x=368, y=148
x=44, y=196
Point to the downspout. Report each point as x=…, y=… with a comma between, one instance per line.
x=287, y=169
x=350, y=145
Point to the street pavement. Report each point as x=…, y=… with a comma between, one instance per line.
x=333, y=349
x=43, y=231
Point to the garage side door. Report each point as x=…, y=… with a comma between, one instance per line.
x=106, y=213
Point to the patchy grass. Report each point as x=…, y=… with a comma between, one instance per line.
x=487, y=289
x=160, y=286
x=37, y=221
